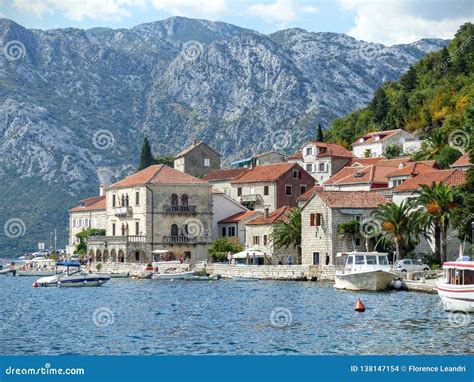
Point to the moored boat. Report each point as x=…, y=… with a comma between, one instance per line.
x=73, y=276
x=456, y=287
x=173, y=275
x=37, y=267
x=364, y=271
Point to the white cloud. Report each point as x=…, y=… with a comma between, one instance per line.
x=281, y=11
x=396, y=22
x=79, y=9
x=192, y=8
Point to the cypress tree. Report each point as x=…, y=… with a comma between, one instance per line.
x=320, y=136
x=146, y=158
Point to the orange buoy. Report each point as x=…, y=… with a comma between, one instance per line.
x=35, y=285
x=360, y=307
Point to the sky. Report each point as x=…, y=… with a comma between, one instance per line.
x=384, y=21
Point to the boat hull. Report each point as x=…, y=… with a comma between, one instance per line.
x=173, y=276
x=73, y=281
x=456, y=298
x=372, y=281
x=36, y=273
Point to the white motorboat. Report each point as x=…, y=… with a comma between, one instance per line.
x=364, y=271
x=173, y=275
x=456, y=287
x=72, y=276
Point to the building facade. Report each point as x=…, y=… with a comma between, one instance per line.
x=375, y=143
x=197, y=160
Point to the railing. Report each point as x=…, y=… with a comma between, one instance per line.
x=249, y=198
x=179, y=209
x=123, y=211
x=181, y=239
x=98, y=240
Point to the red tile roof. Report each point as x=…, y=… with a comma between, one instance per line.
x=413, y=169
x=352, y=199
x=238, y=217
x=191, y=148
x=224, y=174
x=464, y=161
x=90, y=204
x=331, y=149
x=309, y=194
x=295, y=156
x=157, y=174
x=452, y=177
x=280, y=214
x=370, y=137
x=265, y=173
x=364, y=161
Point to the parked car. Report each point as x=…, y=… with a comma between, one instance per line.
x=410, y=265
x=43, y=252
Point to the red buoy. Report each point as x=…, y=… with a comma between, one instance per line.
x=35, y=285
x=360, y=307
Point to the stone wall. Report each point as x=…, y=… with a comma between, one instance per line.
x=264, y=272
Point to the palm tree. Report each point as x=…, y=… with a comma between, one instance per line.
x=438, y=203
x=287, y=232
x=436, y=141
x=398, y=223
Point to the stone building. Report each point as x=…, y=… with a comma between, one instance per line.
x=259, y=233
x=234, y=226
x=320, y=217
x=197, y=160
x=268, y=157
x=158, y=208
x=221, y=179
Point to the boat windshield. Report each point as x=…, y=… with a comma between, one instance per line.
x=371, y=260
x=383, y=260
x=359, y=260
x=459, y=276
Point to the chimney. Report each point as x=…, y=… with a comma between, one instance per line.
x=101, y=190
x=265, y=213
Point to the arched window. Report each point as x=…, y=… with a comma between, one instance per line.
x=174, y=199
x=184, y=199
x=123, y=230
x=127, y=230
x=123, y=200
x=174, y=230
x=126, y=200
x=184, y=229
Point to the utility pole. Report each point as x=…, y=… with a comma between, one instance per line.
x=55, y=239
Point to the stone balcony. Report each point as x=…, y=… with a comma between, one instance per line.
x=123, y=211
x=179, y=209
x=124, y=240
x=182, y=239
x=249, y=198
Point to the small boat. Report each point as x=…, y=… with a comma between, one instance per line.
x=173, y=275
x=456, y=287
x=7, y=271
x=204, y=278
x=364, y=271
x=38, y=267
x=73, y=276
x=240, y=278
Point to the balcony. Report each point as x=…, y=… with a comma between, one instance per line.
x=181, y=239
x=249, y=198
x=179, y=209
x=123, y=211
x=117, y=240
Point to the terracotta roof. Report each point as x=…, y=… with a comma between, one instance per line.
x=280, y=214
x=265, y=173
x=308, y=194
x=452, y=177
x=352, y=199
x=90, y=204
x=413, y=169
x=295, y=156
x=224, y=174
x=191, y=148
x=238, y=217
x=331, y=149
x=370, y=137
x=157, y=174
x=464, y=161
x=364, y=161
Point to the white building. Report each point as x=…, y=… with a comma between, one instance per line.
x=374, y=144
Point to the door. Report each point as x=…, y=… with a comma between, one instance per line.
x=315, y=258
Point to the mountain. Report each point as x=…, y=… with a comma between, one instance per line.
x=75, y=104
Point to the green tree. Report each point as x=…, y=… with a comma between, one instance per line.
x=218, y=249
x=287, y=232
x=433, y=146
x=350, y=228
x=438, y=203
x=408, y=80
x=81, y=246
x=367, y=153
x=392, y=151
x=380, y=105
x=447, y=156
x=320, y=136
x=146, y=158
x=167, y=160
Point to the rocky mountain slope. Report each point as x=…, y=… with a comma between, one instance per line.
x=75, y=104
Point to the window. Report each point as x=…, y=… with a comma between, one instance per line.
x=312, y=220
x=113, y=200
x=357, y=218
x=309, y=167
x=137, y=198
x=357, y=241
x=359, y=260
x=113, y=229
x=80, y=223
x=73, y=222
x=288, y=191
x=265, y=241
x=383, y=260
x=231, y=231
x=350, y=259
x=137, y=256
x=174, y=230
x=265, y=190
x=239, y=191
x=295, y=174
x=309, y=151
x=322, y=167
x=207, y=162
x=318, y=220
x=123, y=230
x=224, y=231
x=174, y=199
x=371, y=260
x=256, y=240
x=315, y=258
x=126, y=200
x=303, y=189
x=137, y=228
x=86, y=224
x=184, y=199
